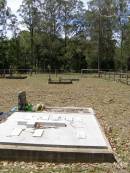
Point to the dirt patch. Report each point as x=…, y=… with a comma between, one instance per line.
x=110, y=100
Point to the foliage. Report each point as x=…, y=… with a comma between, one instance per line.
x=63, y=34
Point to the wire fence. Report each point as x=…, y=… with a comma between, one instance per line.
x=123, y=77
x=115, y=76
x=11, y=72
x=105, y=74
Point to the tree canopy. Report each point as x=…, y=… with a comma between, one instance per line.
x=62, y=34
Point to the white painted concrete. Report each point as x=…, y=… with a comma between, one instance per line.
x=82, y=130
x=38, y=133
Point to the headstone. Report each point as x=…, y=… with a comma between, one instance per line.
x=22, y=101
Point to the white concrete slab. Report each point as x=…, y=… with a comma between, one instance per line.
x=38, y=133
x=16, y=131
x=82, y=130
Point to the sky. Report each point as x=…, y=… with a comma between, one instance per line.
x=14, y=4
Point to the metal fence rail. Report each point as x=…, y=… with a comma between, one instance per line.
x=116, y=76
x=10, y=72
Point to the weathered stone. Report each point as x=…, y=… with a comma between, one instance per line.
x=22, y=101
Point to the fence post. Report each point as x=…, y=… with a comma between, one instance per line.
x=127, y=82
x=114, y=76
x=109, y=75
x=99, y=74
x=81, y=73
x=4, y=73
x=56, y=72
x=105, y=74
x=120, y=77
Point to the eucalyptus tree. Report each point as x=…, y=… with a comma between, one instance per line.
x=50, y=17
x=4, y=16
x=29, y=13
x=13, y=27
x=77, y=20
x=103, y=26
x=122, y=22
x=67, y=16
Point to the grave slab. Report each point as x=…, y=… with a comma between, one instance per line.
x=63, y=134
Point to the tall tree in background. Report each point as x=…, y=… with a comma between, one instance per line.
x=72, y=23
x=62, y=34
x=104, y=25
x=122, y=22
x=69, y=15
x=13, y=26
x=28, y=12
x=4, y=16
x=50, y=26
x=50, y=17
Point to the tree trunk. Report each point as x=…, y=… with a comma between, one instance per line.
x=32, y=46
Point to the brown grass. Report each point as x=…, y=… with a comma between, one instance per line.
x=110, y=100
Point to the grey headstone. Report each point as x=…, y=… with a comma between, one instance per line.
x=22, y=101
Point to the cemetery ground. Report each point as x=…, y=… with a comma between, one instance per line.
x=110, y=100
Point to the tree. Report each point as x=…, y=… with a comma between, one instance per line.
x=29, y=13
x=13, y=26
x=121, y=9
x=104, y=13
x=4, y=15
x=62, y=34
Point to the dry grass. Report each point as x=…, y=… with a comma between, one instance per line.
x=111, y=101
